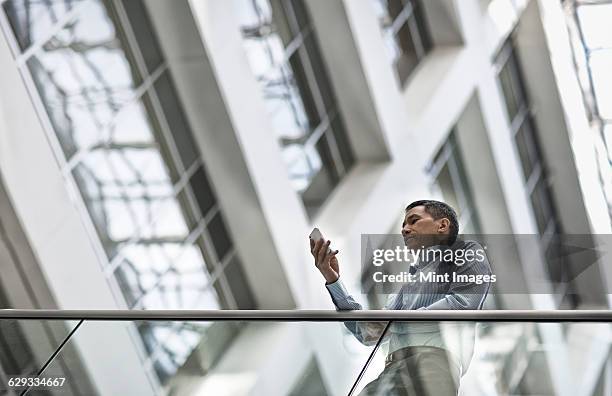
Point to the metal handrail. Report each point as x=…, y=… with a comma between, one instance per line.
x=315, y=315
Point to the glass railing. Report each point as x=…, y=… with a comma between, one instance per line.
x=305, y=352
x=28, y=346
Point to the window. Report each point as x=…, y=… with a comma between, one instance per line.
x=592, y=49
x=16, y=355
x=526, y=141
x=406, y=34
x=284, y=55
x=108, y=98
x=451, y=183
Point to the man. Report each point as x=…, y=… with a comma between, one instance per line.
x=419, y=361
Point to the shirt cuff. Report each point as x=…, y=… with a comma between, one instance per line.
x=337, y=290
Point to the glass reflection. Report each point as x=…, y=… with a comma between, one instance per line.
x=126, y=184
x=422, y=358
x=129, y=149
x=592, y=47
x=167, y=277
x=482, y=359
x=266, y=54
x=405, y=33
x=31, y=20
x=285, y=59
x=85, y=77
x=593, y=17
x=386, y=21
x=601, y=64
x=27, y=345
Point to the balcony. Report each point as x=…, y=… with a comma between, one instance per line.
x=514, y=353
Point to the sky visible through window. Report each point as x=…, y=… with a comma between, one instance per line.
x=592, y=42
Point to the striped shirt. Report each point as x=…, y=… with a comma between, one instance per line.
x=457, y=338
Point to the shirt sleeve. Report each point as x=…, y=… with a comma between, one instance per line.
x=341, y=298
x=366, y=332
x=467, y=295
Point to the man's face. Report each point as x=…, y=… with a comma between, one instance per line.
x=421, y=229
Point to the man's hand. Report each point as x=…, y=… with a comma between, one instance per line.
x=325, y=260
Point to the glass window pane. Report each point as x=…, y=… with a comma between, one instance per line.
x=302, y=163
x=592, y=18
x=264, y=49
x=126, y=170
x=301, y=13
x=518, y=84
x=127, y=279
x=149, y=266
x=445, y=182
x=505, y=79
x=452, y=183
x=601, y=64
x=556, y=262
x=177, y=121
x=284, y=85
x=392, y=47
x=146, y=331
x=259, y=13
x=342, y=142
x=85, y=78
x=238, y=284
x=128, y=193
x=421, y=23
x=382, y=12
x=405, y=32
x=311, y=382
x=184, y=284
x=216, y=340
x=285, y=104
x=171, y=343
x=25, y=347
x=16, y=356
x=607, y=132
x=528, y=149
x=305, y=87
x=542, y=205
x=219, y=236
x=323, y=85
x=323, y=181
x=409, y=58
x=32, y=20
x=298, y=94
x=164, y=368
x=202, y=191
x=325, y=153
x=143, y=31
x=395, y=7
x=282, y=25
x=512, y=82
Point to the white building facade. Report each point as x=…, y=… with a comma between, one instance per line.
x=163, y=154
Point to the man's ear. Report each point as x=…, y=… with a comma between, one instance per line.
x=443, y=225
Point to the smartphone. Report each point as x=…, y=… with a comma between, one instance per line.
x=315, y=235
